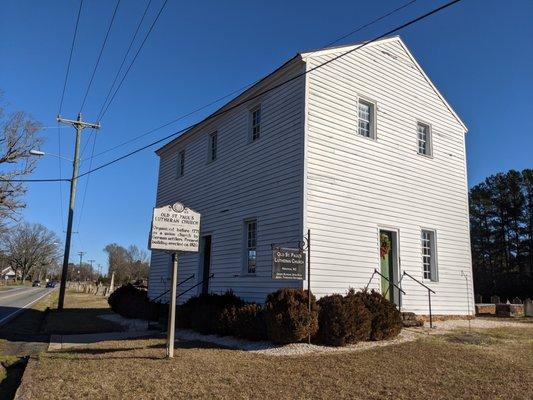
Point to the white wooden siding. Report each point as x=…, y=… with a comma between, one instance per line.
x=354, y=185
x=261, y=179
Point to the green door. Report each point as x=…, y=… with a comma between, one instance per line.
x=386, y=263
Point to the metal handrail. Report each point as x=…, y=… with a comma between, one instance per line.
x=182, y=282
x=429, y=295
x=420, y=283
x=384, y=277
x=192, y=287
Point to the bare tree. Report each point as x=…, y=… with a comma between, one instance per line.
x=18, y=135
x=128, y=264
x=29, y=247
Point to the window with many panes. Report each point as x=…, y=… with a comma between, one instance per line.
x=251, y=245
x=429, y=260
x=255, y=123
x=181, y=163
x=424, y=139
x=366, y=125
x=213, y=146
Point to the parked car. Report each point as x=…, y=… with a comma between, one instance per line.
x=36, y=284
x=51, y=284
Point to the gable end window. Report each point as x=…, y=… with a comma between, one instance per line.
x=424, y=139
x=366, y=119
x=181, y=163
x=255, y=125
x=429, y=255
x=213, y=146
x=250, y=255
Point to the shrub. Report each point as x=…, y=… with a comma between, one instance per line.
x=343, y=320
x=209, y=313
x=132, y=302
x=287, y=317
x=386, y=319
x=250, y=322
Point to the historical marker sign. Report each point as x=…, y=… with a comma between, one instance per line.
x=288, y=264
x=175, y=228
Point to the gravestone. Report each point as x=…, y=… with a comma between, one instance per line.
x=479, y=299
x=509, y=310
x=495, y=299
x=516, y=300
x=528, y=308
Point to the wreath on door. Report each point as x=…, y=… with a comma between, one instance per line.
x=384, y=245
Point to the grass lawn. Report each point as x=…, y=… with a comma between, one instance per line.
x=28, y=332
x=484, y=364
x=80, y=315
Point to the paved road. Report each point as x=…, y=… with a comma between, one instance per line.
x=14, y=301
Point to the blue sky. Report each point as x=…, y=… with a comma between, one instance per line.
x=478, y=53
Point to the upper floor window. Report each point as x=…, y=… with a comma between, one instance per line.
x=424, y=139
x=213, y=146
x=367, y=119
x=181, y=163
x=251, y=245
x=429, y=260
x=255, y=123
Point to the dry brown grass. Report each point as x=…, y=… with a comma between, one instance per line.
x=80, y=315
x=488, y=364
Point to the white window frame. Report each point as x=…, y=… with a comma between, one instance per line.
x=253, y=125
x=428, y=139
x=372, y=118
x=247, y=247
x=211, y=157
x=180, y=170
x=430, y=270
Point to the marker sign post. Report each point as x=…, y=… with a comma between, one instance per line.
x=175, y=228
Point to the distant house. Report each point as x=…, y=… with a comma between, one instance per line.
x=363, y=151
x=7, y=273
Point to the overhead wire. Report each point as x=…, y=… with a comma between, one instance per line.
x=181, y=117
x=277, y=86
x=67, y=73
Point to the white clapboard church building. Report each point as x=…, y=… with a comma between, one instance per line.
x=362, y=150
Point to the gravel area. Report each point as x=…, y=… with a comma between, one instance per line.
x=296, y=349
x=293, y=349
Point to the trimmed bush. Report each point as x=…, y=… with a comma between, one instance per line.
x=287, y=317
x=209, y=313
x=343, y=320
x=250, y=322
x=386, y=318
x=132, y=302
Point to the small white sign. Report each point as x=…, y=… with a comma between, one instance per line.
x=175, y=228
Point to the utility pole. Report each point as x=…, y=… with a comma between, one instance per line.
x=91, y=262
x=81, y=253
x=79, y=125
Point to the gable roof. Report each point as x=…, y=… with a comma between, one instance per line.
x=251, y=91
x=398, y=39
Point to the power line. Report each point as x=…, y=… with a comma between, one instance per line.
x=371, y=23
x=132, y=41
x=100, y=55
x=60, y=108
x=222, y=112
x=125, y=57
x=70, y=57
x=244, y=87
x=133, y=60
x=36, y=180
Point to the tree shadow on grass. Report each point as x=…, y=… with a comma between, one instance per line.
x=31, y=325
x=77, y=353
